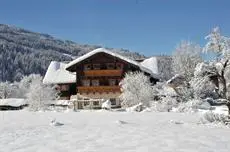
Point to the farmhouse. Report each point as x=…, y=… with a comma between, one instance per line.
x=94, y=77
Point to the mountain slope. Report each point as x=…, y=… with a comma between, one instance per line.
x=23, y=52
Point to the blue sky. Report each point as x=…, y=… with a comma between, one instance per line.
x=146, y=26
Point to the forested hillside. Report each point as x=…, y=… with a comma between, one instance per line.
x=23, y=52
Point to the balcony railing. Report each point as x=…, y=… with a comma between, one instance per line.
x=103, y=73
x=98, y=89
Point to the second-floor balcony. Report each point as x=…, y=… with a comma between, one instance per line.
x=107, y=72
x=98, y=89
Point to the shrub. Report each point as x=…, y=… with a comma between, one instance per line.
x=40, y=95
x=210, y=117
x=136, y=88
x=192, y=106
x=166, y=104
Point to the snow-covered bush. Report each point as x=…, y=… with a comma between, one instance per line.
x=193, y=106
x=6, y=90
x=24, y=85
x=204, y=81
x=136, y=88
x=164, y=91
x=136, y=108
x=185, y=58
x=205, y=69
x=40, y=95
x=181, y=87
x=164, y=105
x=203, y=87
x=211, y=117
x=106, y=105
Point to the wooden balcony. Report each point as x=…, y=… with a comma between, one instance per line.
x=98, y=89
x=96, y=73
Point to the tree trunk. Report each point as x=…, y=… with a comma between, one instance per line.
x=222, y=80
x=224, y=93
x=228, y=105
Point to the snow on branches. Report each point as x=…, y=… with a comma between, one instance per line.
x=218, y=44
x=204, y=81
x=39, y=95
x=185, y=58
x=136, y=88
x=6, y=90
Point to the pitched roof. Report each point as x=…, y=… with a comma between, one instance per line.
x=151, y=63
x=56, y=74
x=103, y=50
x=160, y=65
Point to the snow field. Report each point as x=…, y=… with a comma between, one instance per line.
x=24, y=131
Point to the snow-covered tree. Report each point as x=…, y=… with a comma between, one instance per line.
x=203, y=83
x=218, y=44
x=40, y=95
x=24, y=85
x=6, y=90
x=136, y=88
x=185, y=58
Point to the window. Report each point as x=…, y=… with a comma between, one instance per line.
x=95, y=82
x=87, y=67
x=86, y=103
x=96, y=103
x=110, y=65
x=113, y=101
x=119, y=66
x=86, y=82
x=96, y=66
x=112, y=82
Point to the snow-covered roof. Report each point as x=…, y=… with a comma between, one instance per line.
x=151, y=63
x=103, y=50
x=12, y=102
x=160, y=65
x=56, y=74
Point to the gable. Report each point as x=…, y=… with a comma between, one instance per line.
x=106, y=55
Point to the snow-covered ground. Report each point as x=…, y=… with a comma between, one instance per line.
x=24, y=131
